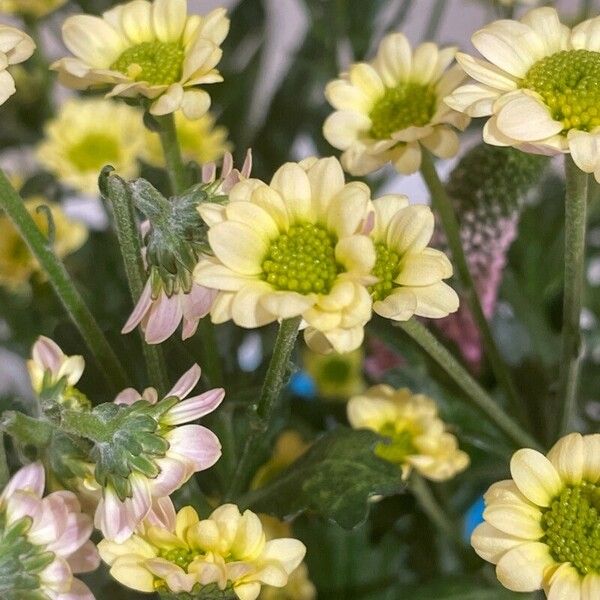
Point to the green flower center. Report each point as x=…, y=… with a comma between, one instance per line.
x=408, y=104
x=572, y=527
x=157, y=63
x=94, y=151
x=399, y=443
x=569, y=83
x=336, y=370
x=302, y=260
x=387, y=268
x=182, y=557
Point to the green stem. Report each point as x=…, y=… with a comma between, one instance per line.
x=575, y=228
x=24, y=429
x=4, y=471
x=267, y=404
x=430, y=506
x=476, y=394
x=63, y=286
x=115, y=190
x=170, y=145
x=443, y=205
x=436, y=19
x=84, y=425
x=211, y=363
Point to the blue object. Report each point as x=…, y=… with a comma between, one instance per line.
x=303, y=385
x=473, y=517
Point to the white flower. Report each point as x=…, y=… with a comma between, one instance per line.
x=15, y=47
x=539, y=85
x=387, y=108
x=49, y=536
x=149, y=49
x=542, y=529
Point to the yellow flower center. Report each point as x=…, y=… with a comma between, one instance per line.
x=407, y=104
x=302, y=260
x=572, y=527
x=399, y=443
x=387, y=268
x=94, y=151
x=157, y=63
x=569, y=83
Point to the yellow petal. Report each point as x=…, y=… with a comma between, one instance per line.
x=535, y=476
x=522, y=569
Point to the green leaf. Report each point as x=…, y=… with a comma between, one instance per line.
x=335, y=478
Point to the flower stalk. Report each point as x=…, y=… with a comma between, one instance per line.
x=63, y=286
x=116, y=191
x=170, y=144
x=575, y=229
x=476, y=394
x=267, y=404
x=443, y=206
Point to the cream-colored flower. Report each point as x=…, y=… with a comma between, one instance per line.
x=415, y=436
x=410, y=274
x=542, y=529
x=387, y=108
x=15, y=47
x=149, y=49
x=30, y=8
x=336, y=376
x=293, y=248
x=540, y=88
x=176, y=552
x=17, y=264
x=201, y=141
x=87, y=135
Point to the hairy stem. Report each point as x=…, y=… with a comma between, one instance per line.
x=443, y=205
x=575, y=229
x=267, y=404
x=170, y=145
x=117, y=193
x=64, y=287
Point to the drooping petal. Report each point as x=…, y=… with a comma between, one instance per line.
x=522, y=569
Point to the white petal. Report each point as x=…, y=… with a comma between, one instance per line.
x=585, y=149
x=239, y=246
x=586, y=35
x=285, y=305
x=326, y=181
x=366, y=78
x=491, y=543
x=526, y=119
x=522, y=569
x=394, y=59
x=565, y=584
x=92, y=40
x=486, y=73
x=169, y=17
x=518, y=520
x=546, y=23
x=348, y=209
x=247, y=308
x=342, y=128
x=472, y=99
x=356, y=253
x=342, y=95
x=535, y=476
x=591, y=469
x=424, y=268
x=411, y=229
x=168, y=102
x=409, y=159
x=195, y=104
x=590, y=587
x=568, y=458
x=292, y=184
x=424, y=64
x=443, y=142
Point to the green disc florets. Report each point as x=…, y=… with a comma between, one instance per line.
x=302, y=260
x=94, y=151
x=572, y=527
x=569, y=83
x=406, y=105
x=182, y=557
x=158, y=63
x=399, y=443
x=387, y=268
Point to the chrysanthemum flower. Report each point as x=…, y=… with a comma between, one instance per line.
x=293, y=248
x=88, y=134
x=539, y=88
x=49, y=364
x=409, y=273
x=542, y=529
x=15, y=47
x=167, y=454
x=387, y=108
x=149, y=49
x=30, y=8
x=228, y=550
x=43, y=541
x=201, y=141
x=415, y=437
x=17, y=264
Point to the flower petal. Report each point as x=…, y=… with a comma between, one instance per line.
x=535, y=476
x=568, y=458
x=168, y=17
x=293, y=185
x=238, y=246
x=491, y=543
x=525, y=118
x=522, y=569
x=518, y=520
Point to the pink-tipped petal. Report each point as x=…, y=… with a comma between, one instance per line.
x=195, y=443
x=74, y=536
x=30, y=478
x=127, y=397
x=57, y=575
x=140, y=310
x=209, y=172
x=187, y=382
x=47, y=353
x=164, y=318
x=113, y=518
x=78, y=591
x=173, y=474
x=85, y=560
x=194, y=408
x=162, y=514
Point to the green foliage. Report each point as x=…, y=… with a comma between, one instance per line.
x=337, y=477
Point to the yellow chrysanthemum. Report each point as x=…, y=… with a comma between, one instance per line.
x=299, y=585
x=15, y=47
x=30, y=8
x=293, y=248
x=387, y=108
x=542, y=527
x=89, y=134
x=17, y=264
x=415, y=437
x=336, y=376
x=290, y=445
x=176, y=553
x=540, y=88
x=201, y=141
x=149, y=49
x=409, y=273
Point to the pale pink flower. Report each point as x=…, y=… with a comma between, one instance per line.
x=57, y=526
x=49, y=364
x=191, y=448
